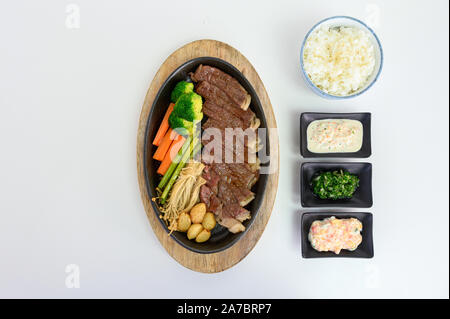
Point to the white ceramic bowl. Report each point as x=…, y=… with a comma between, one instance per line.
x=349, y=22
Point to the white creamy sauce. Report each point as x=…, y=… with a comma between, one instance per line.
x=334, y=136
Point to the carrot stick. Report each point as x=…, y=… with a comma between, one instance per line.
x=164, y=145
x=164, y=126
x=171, y=153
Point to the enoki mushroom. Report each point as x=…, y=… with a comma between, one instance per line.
x=185, y=193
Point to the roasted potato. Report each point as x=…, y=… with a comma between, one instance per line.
x=203, y=236
x=197, y=213
x=194, y=230
x=184, y=222
x=209, y=221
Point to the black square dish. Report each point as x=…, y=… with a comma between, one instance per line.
x=362, y=196
x=364, y=118
x=364, y=250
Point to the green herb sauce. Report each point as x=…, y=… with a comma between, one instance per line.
x=335, y=185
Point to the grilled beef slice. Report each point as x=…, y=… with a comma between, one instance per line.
x=227, y=188
x=247, y=117
x=243, y=142
x=229, y=85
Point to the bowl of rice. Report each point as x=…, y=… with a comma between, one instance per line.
x=341, y=57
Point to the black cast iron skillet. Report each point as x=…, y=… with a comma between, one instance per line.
x=221, y=238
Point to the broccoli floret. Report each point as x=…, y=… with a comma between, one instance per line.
x=189, y=107
x=181, y=88
x=180, y=125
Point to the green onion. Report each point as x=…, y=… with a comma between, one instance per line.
x=174, y=164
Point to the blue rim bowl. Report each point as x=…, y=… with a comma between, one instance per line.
x=333, y=21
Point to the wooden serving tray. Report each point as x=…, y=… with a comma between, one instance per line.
x=216, y=262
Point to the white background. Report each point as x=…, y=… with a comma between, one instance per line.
x=70, y=100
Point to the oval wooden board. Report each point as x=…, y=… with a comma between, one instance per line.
x=210, y=263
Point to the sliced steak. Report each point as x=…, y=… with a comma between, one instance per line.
x=230, y=153
x=216, y=206
x=223, y=186
x=242, y=145
x=205, y=195
x=212, y=178
x=233, y=225
x=243, y=215
x=225, y=199
x=228, y=184
x=247, y=116
x=214, y=94
x=220, y=114
x=232, y=217
x=238, y=174
x=213, y=204
x=244, y=172
x=231, y=194
x=232, y=88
